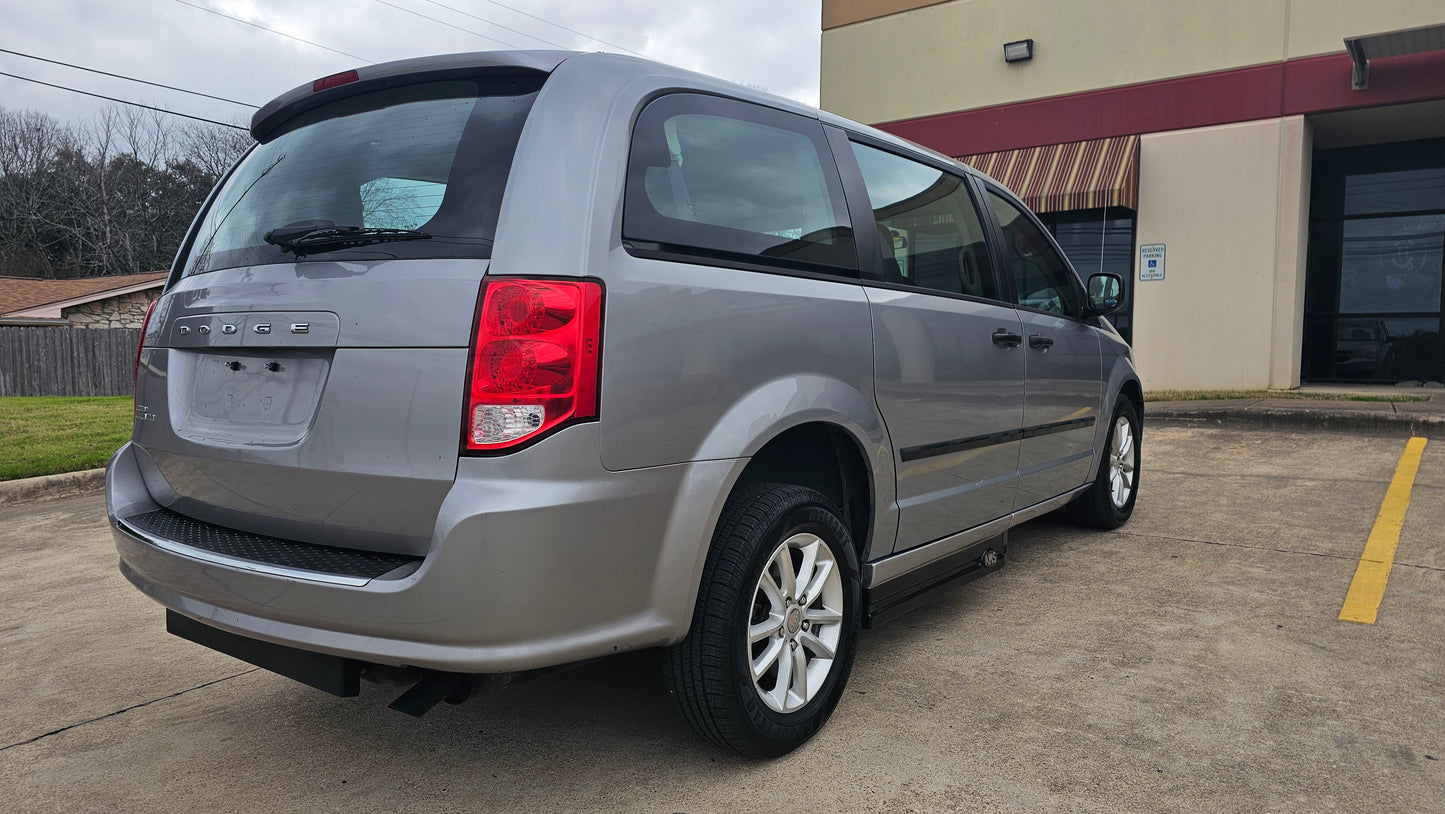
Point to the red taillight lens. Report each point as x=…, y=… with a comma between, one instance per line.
x=141, y=342
x=535, y=360
x=333, y=80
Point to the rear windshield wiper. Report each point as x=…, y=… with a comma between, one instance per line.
x=311, y=237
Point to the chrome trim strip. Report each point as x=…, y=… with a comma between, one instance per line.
x=212, y=558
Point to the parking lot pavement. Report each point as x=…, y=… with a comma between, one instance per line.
x=1191, y=661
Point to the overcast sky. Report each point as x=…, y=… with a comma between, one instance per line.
x=772, y=44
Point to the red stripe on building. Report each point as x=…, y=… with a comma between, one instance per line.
x=1309, y=85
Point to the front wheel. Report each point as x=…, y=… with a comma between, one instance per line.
x=773, y=631
x=1109, y=501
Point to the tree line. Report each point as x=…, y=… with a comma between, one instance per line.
x=112, y=195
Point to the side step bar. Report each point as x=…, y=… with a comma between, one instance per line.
x=897, y=596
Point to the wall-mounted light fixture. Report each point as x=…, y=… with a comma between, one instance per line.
x=1020, y=51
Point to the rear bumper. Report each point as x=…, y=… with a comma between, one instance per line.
x=535, y=561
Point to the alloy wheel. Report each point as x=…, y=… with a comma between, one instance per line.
x=796, y=623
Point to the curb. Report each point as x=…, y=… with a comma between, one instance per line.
x=67, y=484
x=50, y=487
x=1391, y=424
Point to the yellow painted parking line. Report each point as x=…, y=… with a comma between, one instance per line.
x=1367, y=589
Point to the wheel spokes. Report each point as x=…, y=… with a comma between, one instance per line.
x=819, y=648
x=799, y=688
x=785, y=680
x=766, y=659
x=774, y=592
x=822, y=615
x=1122, y=463
x=820, y=576
x=787, y=577
x=764, y=629
x=806, y=567
x=795, y=630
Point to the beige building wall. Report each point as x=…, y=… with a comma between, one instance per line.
x=1320, y=26
x=948, y=56
x=1230, y=204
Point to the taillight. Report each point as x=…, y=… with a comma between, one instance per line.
x=140, y=343
x=535, y=360
x=333, y=80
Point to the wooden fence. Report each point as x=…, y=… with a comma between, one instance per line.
x=67, y=361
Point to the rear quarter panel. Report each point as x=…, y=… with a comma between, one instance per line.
x=698, y=362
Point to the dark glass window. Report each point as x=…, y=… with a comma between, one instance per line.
x=719, y=177
x=1042, y=280
x=1391, y=265
x=1100, y=241
x=1368, y=193
x=1375, y=287
x=433, y=157
x=1386, y=349
x=929, y=232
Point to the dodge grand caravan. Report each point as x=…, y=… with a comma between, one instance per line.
x=484, y=364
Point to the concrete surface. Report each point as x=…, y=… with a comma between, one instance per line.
x=1191, y=661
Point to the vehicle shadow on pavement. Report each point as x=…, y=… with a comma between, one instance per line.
x=599, y=716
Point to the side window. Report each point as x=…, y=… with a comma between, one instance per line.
x=721, y=177
x=1042, y=279
x=928, y=229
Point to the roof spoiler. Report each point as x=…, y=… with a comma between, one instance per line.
x=369, y=78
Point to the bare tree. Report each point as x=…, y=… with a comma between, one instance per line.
x=214, y=148
x=30, y=141
x=112, y=196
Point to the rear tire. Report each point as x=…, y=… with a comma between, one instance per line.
x=773, y=631
x=1109, y=501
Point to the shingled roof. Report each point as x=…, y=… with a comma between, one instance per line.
x=19, y=295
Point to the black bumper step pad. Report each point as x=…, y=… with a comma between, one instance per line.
x=178, y=528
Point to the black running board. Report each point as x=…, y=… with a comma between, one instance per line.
x=897, y=596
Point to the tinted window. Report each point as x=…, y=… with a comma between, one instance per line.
x=722, y=177
x=433, y=157
x=928, y=229
x=1400, y=191
x=1099, y=241
x=1042, y=280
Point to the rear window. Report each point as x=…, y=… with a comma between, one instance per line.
x=432, y=157
x=723, y=178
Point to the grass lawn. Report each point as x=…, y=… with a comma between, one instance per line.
x=1204, y=395
x=43, y=436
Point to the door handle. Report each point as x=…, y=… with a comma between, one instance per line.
x=1040, y=342
x=1005, y=338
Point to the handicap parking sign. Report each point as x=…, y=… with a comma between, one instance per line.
x=1151, y=261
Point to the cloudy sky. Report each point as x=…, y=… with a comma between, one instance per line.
x=772, y=44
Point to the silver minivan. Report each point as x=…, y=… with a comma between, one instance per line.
x=481, y=365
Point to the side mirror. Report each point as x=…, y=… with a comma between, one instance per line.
x=1106, y=294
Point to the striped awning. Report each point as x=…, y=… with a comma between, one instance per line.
x=1060, y=177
